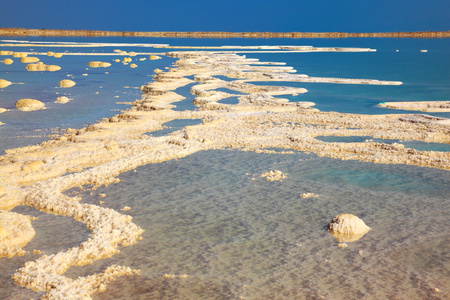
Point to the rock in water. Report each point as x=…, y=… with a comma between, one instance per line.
x=347, y=228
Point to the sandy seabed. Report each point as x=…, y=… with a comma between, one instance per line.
x=39, y=176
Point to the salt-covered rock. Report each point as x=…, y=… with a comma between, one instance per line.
x=66, y=83
x=347, y=228
x=29, y=104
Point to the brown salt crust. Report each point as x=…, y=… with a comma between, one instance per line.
x=15, y=232
x=4, y=83
x=97, y=154
x=427, y=106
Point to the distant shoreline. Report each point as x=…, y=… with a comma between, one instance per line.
x=218, y=34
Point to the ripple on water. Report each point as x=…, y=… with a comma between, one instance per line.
x=232, y=236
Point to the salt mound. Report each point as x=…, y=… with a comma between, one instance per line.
x=57, y=55
x=4, y=83
x=19, y=54
x=50, y=53
x=42, y=67
x=347, y=228
x=62, y=99
x=29, y=59
x=154, y=57
x=133, y=66
x=8, y=61
x=98, y=64
x=66, y=83
x=29, y=105
x=15, y=232
x=3, y=52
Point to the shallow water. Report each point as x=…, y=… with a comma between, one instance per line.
x=205, y=216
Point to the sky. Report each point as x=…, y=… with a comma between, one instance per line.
x=228, y=15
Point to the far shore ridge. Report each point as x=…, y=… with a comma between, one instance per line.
x=220, y=34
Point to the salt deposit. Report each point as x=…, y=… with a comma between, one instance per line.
x=98, y=64
x=66, y=83
x=154, y=57
x=29, y=59
x=8, y=61
x=37, y=176
x=347, y=228
x=41, y=67
x=427, y=106
x=274, y=175
x=15, y=232
x=4, y=83
x=62, y=99
x=19, y=54
x=29, y=104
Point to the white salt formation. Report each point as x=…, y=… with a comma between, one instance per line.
x=8, y=61
x=40, y=66
x=98, y=64
x=154, y=57
x=4, y=83
x=347, y=228
x=274, y=175
x=29, y=104
x=62, y=99
x=427, y=106
x=15, y=232
x=37, y=176
x=29, y=59
x=66, y=83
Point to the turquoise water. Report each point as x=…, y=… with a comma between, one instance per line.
x=234, y=234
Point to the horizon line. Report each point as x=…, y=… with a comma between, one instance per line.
x=217, y=34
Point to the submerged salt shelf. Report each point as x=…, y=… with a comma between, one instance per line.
x=196, y=221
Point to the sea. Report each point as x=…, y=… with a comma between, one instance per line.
x=215, y=229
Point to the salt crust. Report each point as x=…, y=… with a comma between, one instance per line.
x=62, y=99
x=29, y=104
x=15, y=232
x=97, y=154
x=347, y=228
x=4, y=83
x=427, y=106
x=274, y=175
x=98, y=64
x=42, y=67
x=66, y=83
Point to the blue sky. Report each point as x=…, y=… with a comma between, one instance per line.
x=228, y=15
